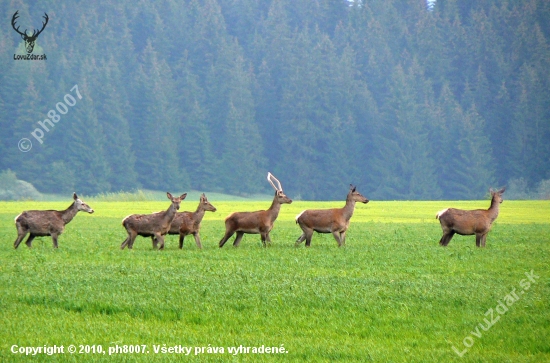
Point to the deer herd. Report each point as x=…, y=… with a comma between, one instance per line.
x=38, y=223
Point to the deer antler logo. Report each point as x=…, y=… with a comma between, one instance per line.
x=29, y=39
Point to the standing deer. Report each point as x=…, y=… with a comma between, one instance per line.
x=469, y=222
x=190, y=222
x=154, y=225
x=256, y=222
x=335, y=221
x=47, y=222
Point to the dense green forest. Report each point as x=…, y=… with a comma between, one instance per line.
x=404, y=101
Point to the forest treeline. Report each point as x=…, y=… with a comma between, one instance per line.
x=403, y=101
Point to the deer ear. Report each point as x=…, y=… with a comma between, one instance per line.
x=182, y=197
x=75, y=197
x=502, y=190
x=169, y=196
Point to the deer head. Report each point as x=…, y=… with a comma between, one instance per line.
x=355, y=196
x=206, y=204
x=280, y=195
x=80, y=205
x=496, y=195
x=176, y=201
x=29, y=39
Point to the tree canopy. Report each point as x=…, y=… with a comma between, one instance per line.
x=402, y=99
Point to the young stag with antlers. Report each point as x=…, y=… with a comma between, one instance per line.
x=256, y=222
x=47, y=222
x=335, y=221
x=154, y=225
x=469, y=222
x=190, y=222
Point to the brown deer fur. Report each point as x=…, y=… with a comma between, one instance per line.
x=469, y=222
x=47, y=222
x=190, y=222
x=154, y=225
x=335, y=221
x=254, y=222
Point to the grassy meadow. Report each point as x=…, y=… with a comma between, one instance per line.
x=392, y=294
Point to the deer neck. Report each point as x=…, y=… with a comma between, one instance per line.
x=274, y=209
x=199, y=213
x=348, y=209
x=170, y=214
x=68, y=214
x=494, y=209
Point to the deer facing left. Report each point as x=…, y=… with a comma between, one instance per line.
x=47, y=222
x=155, y=225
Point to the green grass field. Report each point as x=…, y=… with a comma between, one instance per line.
x=391, y=295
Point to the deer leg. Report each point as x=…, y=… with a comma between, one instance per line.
x=446, y=238
x=125, y=243
x=54, y=239
x=343, y=238
x=483, y=240
x=198, y=240
x=337, y=237
x=28, y=242
x=131, y=239
x=160, y=240
x=20, y=236
x=227, y=236
x=300, y=239
x=267, y=239
x=308, y=234
x=182, y=237
x=238, y=239
x=479, y=237
x=154, y=241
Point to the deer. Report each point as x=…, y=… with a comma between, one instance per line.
x=335, y=220
x=470, y=222
x=155, y=225
x=29, y=39
x=186, y=223
x=190, y=222
x=52, y=223
x=259, y=222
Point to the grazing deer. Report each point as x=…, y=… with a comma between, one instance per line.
x=335, y=221
x=190, y=222
x=154, y=225
x=256, y=222
x=469, y=222
x=47, y=222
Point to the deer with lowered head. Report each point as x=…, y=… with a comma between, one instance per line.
x=155, y=225
x=190, y=222
x=335, y=221
x=47, y=222
x=469, y=222
x=259, y=222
